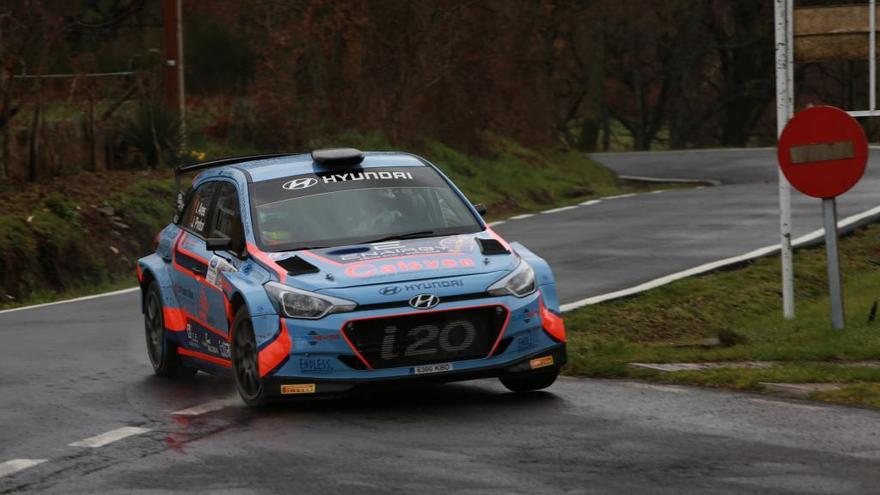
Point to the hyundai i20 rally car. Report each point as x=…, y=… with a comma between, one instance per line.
x=319, y=273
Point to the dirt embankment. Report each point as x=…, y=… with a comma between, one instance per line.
x=76, y=232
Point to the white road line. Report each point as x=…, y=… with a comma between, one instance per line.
x=109, y=437
x=658, y=191
x=591, y=202
x=674, y=152
x=16, y=465
x=78, y=299
x=660, y=388
x=555, y=210
x=619, y=196
x=788, y=404
x=499, y=222
x=519, y=217
x=707, y=267
x=214, y=405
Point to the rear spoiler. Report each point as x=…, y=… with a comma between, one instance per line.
x=195, y=167
x=328, y=157
x=220, y=162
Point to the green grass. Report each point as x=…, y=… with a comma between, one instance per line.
x=742, y=308
x=862, y=394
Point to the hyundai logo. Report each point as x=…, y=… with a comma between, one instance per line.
x=424, y=301
x=301, y=183
x=390, y=290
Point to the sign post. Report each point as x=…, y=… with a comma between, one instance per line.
x=823, y=153
x=829, y=217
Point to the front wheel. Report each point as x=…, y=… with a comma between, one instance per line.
x=163, y=354
x=245, y=363
x=531, y=380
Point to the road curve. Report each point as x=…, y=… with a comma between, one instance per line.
x=620, y=243
x=80, y=411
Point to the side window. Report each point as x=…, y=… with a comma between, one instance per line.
x=226, y=221
x=195, y=216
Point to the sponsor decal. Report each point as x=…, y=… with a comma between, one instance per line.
x=216, y=266
x=191, y=335
x=436, y=284
x=396, y=249
x=183, y=291
x=541, y=362
x=432, y=368
x=526, y=341
x=351, y=176
x=365, y=270
x=315, y=366
x=426, y=340
x=225, y=350
x=203, y=304
x=314, y=337
x=301, y=183
x=298, y=388
x=526, y=315
x=208, y=344
x=390, y=290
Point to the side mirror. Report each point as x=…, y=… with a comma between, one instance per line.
x=219, y=243
x=481, y=208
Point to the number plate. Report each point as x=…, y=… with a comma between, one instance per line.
x=432, y=368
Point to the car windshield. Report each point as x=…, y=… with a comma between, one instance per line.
x=357, y=206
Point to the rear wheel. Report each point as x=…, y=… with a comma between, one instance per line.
x=245, y=362
x=531, y=380
x=163, y=354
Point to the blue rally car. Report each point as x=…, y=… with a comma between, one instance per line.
x=319, y=273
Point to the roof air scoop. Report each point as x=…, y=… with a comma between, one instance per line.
x=338, y=157
x=297, y=266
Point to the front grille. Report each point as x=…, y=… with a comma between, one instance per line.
x=427, y=337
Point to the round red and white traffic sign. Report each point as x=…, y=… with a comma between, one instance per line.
x=823, y=151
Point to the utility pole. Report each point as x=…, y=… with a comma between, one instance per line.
x=784, y=104
x=175, y=95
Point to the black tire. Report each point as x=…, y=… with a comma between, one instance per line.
x=162, y=353
x=531, y=380
x=245, y=360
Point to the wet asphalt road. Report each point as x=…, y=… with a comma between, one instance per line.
x=76, y=370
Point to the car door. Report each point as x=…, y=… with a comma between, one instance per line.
x=225, y=223
x=205, y=329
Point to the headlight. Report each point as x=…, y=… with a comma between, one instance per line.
x=296, y=303
x=520, y=282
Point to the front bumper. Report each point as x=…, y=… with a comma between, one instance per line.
x=303, y=387
x=323, y=360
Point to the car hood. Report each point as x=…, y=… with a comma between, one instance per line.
x=406, y=260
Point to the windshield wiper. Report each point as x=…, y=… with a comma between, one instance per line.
x=407, y=235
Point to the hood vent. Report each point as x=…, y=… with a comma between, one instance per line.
x=491, y=246
x=297, y=266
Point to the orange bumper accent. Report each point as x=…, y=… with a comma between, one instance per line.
x=175, y=319
x=272, y=355
x=552, y=322
x=140, y=273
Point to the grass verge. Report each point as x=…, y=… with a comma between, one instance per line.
x=741, y=307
